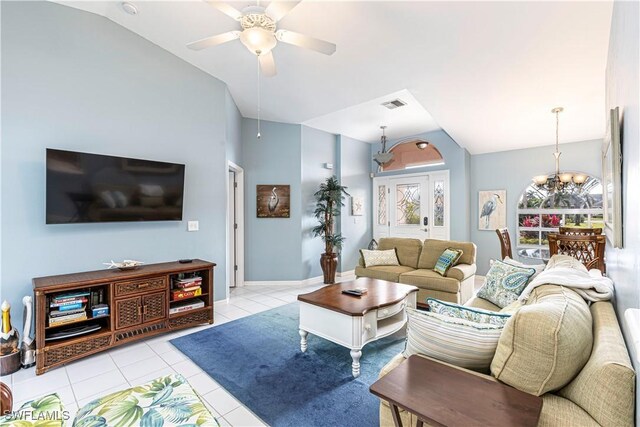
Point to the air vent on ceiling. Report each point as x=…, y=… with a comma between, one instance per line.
x=396, y=103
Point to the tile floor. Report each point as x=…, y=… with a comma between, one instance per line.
x=80, y=382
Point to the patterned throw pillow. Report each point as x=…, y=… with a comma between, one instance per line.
x=447, y=260
x=372, y=258
x=504, y=283
x=459, y=342
x=477, y=315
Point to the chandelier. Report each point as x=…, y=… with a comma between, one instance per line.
x=383, y=156
x=559, y=180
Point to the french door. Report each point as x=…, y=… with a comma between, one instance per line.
x=415, y=205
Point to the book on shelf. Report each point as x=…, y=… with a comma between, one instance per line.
x=56, y=321
x=67, y=303
x=69, y=296
x=183, y=306
x=70, y=307
x=188, y=282
x=178, y=294
x=58, y=313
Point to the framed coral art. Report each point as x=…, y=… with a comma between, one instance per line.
x=492, y=209
x=357, y=205
x=272, y=201
x=612, y=180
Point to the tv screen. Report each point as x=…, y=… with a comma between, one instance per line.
x=84, y=187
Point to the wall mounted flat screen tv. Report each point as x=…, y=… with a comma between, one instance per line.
x=83, y=187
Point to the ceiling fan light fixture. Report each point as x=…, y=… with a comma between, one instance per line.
x=422, y=144
x=258, y=40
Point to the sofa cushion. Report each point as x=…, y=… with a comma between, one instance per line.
x=604, y=387
x=546, y=342
x=390, y=273
x=461, y=271
x=472, y=314
x=557, y=411
x=378, y=257
x=408, y=249
x=433, y=248
x=460, y=342
x=482, y=303
x=429, y=279
x=504, y=283
x=446, y=260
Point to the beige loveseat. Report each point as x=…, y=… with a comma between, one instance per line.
x=417, y=260
x=558, y=347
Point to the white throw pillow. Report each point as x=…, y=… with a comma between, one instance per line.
x=373, y=258
x=565, y=261
x=456, y=341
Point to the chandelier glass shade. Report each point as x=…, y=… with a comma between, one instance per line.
x=558, y=181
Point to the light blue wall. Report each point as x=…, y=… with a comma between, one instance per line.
x=272, y=245
x=76, y=81
x=622, y=89
x=318, y=148
x=233, y=130
x=456, y=160
x=512, y=171
x=353, y=168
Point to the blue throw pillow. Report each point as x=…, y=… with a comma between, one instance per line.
x=472, y=314
x=504, y=283
x=447, y=260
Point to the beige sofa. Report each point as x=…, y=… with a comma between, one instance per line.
x=591, y=386
x=417, y=260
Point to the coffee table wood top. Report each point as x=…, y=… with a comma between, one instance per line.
x=380, y=294
x=443, y=395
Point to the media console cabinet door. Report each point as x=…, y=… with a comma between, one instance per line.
x=128, y=312
x=154, y=307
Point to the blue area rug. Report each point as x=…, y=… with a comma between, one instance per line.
x=258, y=360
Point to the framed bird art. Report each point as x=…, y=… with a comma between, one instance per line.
x=492, y=209
x=272, y=201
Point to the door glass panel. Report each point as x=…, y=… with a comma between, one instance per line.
x=438, y=204
x=382, y=204
x=408, y=204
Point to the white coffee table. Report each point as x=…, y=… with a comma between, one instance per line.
x=352, y=321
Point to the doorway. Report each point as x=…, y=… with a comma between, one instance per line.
x=412, y=205
x=235, y=227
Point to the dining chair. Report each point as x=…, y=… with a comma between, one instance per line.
x=589, y=250
x=505, y=242
x=578, y=231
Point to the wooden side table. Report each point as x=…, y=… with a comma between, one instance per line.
x=442, y=395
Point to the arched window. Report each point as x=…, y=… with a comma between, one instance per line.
x=409, y=155
x=541, y=213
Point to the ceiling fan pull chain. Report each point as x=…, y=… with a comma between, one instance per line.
x=259, y=100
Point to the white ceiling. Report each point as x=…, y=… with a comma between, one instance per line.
x=487, y=72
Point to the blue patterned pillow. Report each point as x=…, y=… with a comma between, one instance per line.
x=447, y=260
x=472, y=314
x=504, y=283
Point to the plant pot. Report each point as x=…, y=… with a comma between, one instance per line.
x=329, y=264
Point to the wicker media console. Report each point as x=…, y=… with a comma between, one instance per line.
x=140, y=304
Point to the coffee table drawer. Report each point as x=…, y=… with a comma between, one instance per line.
x=391, y=310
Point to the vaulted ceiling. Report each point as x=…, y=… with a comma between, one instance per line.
x=488, y=73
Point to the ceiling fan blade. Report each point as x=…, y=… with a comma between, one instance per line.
x=214, y=40
x=225, y=8
x=279, y=9
x=267, y=64
x=307, y=42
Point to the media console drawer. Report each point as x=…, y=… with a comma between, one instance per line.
x=143, y=285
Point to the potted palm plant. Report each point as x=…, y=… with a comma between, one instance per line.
x=329, y=199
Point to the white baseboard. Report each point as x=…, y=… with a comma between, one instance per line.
x=306, y=282
x=346, y=273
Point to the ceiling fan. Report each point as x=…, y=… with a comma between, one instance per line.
x=259, y=33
